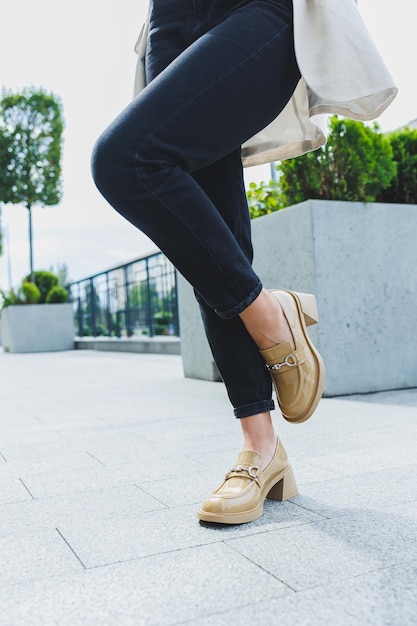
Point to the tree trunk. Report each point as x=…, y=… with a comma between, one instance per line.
x=32, y=276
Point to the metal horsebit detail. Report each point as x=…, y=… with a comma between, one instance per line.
x=251, y=470
x=292, y=363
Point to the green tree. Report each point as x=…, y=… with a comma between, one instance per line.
x=138, y=295
x=142, y=299
x=356, y=164
x=31, y=121
x=403, y=187
x=5, y=175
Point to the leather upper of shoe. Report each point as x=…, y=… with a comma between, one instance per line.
x=244, y=486
x=295, y=372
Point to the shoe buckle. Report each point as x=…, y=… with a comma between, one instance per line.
x=290, y=361
x=251, y=470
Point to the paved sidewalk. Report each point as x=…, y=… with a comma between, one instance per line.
x=104, y=458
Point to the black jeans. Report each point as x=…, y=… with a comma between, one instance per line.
x=218, y=71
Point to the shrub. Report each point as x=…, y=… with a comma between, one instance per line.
x=9, y=298
x=44, y=289
x=57, y=295
x=100, y=330
x=44, y=281
x=356, y=164
x=403, y=188
x=263, y=198
x=162, y=321
x=30, y=292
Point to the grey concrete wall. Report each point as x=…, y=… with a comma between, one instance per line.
x=360, y=261
x=196, y=354
x=37, y=328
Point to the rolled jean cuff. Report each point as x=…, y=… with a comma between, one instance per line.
x=236, y=310
x=254, y=408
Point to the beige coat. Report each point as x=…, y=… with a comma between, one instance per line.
x=342, y=72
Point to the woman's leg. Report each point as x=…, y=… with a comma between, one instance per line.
x=247, y=381
x=249, y=384
x=198, y=110
x=195, y=113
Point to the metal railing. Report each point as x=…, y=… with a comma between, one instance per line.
x=133, y=300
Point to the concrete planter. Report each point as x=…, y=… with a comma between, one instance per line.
x=37, y=327
x=360, y=261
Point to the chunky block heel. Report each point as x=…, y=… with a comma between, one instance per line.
x=285, y=488
x=308, y=305
x=241, y=496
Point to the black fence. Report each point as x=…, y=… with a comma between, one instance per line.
x=133, y=300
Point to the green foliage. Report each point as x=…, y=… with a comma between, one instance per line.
x=45, y=281
x=1, y=234
x=356, y=164
x=27, y=293
x=31, y=121
x=263, y=198
x=44, y=289
x=403, y=188
x=162, y=321
x=57, y=294
x=5, y=152
x=9, y=298
x=31, y=293
x=139, y=294
x=100, y=331
x=31, y=126
x=6, y=148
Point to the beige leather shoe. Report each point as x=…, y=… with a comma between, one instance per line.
x=298, y=375
x=241, y=496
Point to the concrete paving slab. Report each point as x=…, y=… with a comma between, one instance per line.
x=112, y=456
x=12, y=490
x=63, y=462
x=362, y=541
x=370, y=457
x=36, y=555
x=83, y=508
x=385, y=597
x=28, y=435
x=185, y=490
x=306, y=556
x=360, y=492
x=165, y=590
x=396, y=397
x=47, y=484
x=100, y=542
x=137, y=449
x=38, y=450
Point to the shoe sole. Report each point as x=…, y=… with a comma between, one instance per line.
x=282, y=487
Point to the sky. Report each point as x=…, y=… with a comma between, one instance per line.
x=83, y=52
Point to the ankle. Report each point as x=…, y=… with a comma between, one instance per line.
x=265, y=448
x=265, y=321
x=259, y=436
